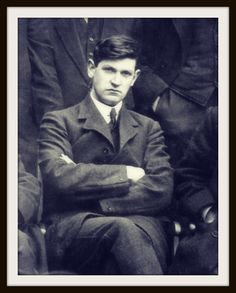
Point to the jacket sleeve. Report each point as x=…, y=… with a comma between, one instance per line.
x=197, y=168
x=153, y=192
x=28, y=196
x=46, y=90
x=75, y=180
x=147, y=88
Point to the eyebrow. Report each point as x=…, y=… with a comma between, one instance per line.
x=105, y=66
x=108, y=66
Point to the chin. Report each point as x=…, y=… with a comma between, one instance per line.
x=111, y=101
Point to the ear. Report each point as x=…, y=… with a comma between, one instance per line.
x=91, y=68
x=136, y=75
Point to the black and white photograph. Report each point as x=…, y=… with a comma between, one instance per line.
x=119, y=146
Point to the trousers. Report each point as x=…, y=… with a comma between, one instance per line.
x=32, y=259
x=116, y=245
x=26, y=255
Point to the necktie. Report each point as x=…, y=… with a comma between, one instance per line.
x=114, y=128
x=113, y=115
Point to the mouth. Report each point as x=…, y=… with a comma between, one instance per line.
x=112, y=91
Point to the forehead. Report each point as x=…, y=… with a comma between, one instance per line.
x=119, y=64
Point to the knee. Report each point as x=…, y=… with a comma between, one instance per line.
x=23, y=241
x=26, y=255
x=123, y=226
x=24, y=244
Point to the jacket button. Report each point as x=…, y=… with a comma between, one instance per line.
x=105, y=151
x=91, y=39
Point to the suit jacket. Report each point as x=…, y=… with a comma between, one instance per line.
x=98, y=182
x=196, y=177
x=59, y=50
x=196, y=180
x=178, y=54
x=27, y=130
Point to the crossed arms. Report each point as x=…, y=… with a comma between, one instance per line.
x=120, y=188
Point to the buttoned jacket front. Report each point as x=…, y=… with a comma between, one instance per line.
x=99, y=177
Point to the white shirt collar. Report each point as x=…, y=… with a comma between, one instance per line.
x=105, y=109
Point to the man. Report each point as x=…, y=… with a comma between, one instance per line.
x=59, y=50
x=197, y=191
x=106, y=179
x=31, y=247
x=179, y=79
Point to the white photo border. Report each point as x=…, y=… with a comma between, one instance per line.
x=13, y=13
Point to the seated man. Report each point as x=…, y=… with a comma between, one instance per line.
x=196, y=181
x=106, y=178
x=31, y=248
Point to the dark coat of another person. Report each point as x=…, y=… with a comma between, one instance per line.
x=197, y=174
x=27, y=130
x=31, y=249
x=59, y=50
x=180, y=54
x=98, y=182
x=196, y=180
x=179, y=64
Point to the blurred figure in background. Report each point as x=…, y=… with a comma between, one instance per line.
x=179, y=79
x=31, y=247
x=196, y=184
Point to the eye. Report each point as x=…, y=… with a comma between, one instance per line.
x=108, y=69
x=126, y=73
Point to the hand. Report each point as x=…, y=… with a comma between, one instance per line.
x=134, y=173
x=67, y=159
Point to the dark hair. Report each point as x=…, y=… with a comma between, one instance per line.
x=116, y=47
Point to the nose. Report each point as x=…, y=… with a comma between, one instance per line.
x=116, y=80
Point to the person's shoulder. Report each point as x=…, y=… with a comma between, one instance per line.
x=142, y=119
x=66, y=113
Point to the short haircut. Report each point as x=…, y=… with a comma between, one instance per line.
x=116, y=47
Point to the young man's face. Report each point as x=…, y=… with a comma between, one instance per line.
x=112, y=79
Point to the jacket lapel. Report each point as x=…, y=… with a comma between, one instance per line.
x=93, y=119
x=128, y=127
x=66, y=29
